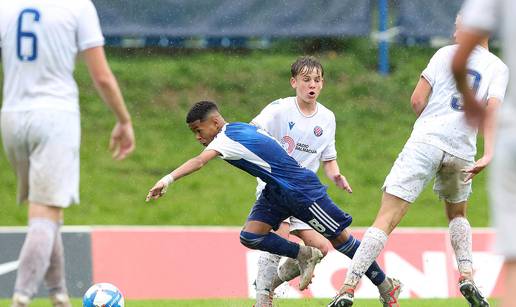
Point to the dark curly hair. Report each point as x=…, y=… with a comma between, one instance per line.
x=200, y=111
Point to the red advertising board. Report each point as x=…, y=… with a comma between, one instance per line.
x=155, y=263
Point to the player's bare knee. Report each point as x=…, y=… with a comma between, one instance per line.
x=37, y=210
x=455, y=210
x=323, y=247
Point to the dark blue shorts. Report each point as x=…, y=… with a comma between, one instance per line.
x=322, y=215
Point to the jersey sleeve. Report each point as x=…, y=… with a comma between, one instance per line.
x=89, y=33
x=499, y=83
x=226, y=147
x=480, y=14
x=330, y=152
x=433, y=68
x=268, y=116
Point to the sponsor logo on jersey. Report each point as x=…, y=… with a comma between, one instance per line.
x=291, y=125
x=305, y=148
x=318, y=131
x=288, y=144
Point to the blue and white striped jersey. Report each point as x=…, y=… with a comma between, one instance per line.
x=257, y=153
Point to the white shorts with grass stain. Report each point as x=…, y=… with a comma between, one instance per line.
x=418, y=163
x=43, y=148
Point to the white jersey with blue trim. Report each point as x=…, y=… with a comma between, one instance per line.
x=442, y=123
x=307, y=138
x=493, y=15
x=40, y=41
x=257, y=153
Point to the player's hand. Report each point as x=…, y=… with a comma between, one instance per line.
x=122, y=142
x=342, y=183
x=158, y=190
x=477, y=168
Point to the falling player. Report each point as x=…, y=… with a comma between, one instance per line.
x=290, y=190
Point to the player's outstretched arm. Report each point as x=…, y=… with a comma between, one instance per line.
x=332, y=171
x=419, y=98
x=190, y=166
x=122, y=141
x=472, y=108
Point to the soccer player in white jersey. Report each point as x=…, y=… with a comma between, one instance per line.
x=41, y=128
x=480, y=17
x=442, y=145
x=306, y=130
x=290, y=190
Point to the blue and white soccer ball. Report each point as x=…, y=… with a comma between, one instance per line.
x=103, y=295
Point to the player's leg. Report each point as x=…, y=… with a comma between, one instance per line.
x=289, y=269
x=461, y=237
x=364, y=254
x=35, y=254
x=391, y=212
x=53, y=139
x=257, y=234
x=416, y=165
x=462, y=244
x=450, y=186
x=310, y=237
x=388, y=288
x=267, y=279
x=55, y=280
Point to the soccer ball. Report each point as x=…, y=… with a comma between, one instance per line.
x=103, y=295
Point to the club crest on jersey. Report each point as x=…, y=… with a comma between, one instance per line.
x=318, y=131
x=288, y=144
x=291, y=125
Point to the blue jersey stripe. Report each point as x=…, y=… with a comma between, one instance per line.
x=286, y=174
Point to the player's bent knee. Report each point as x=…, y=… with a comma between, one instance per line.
x=311, y=238
x=251, y=240
x=323, y=248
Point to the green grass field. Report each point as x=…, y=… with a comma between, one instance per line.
x=373, y=115
x=280, y=303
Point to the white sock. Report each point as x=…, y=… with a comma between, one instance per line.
x=372, y=244
x=461, y=241
x=55, y=276
x=35, y=255
x=267, y=278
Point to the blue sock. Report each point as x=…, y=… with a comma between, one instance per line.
x=270, y=242
x=374, y=273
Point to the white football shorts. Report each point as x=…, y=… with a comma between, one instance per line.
x=502, y=190
x=418, y=163
x=43, y=148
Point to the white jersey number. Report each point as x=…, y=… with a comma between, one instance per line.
x=474, y=81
